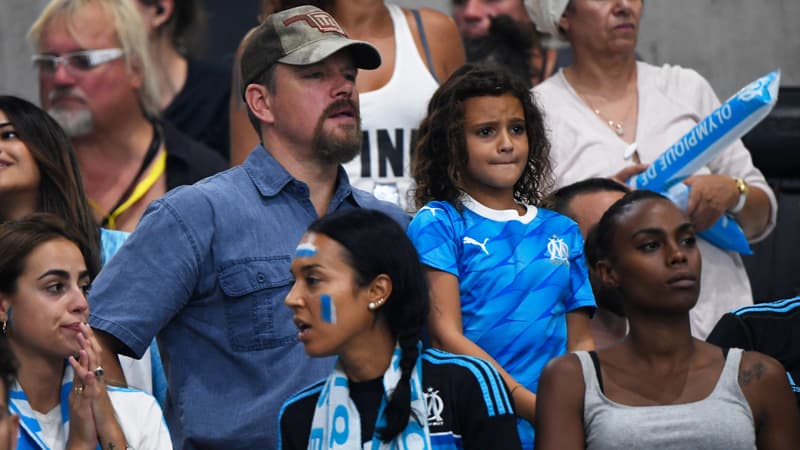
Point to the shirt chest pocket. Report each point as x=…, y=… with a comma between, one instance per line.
x=255, y=316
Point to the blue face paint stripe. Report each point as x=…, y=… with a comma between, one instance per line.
x=328, y=308
x=305, y=250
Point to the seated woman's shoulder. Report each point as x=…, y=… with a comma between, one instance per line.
x=446, y=48
x=436, y=19
x=674, y=76
x=563, y=367
x=549, y=90
x=757, y=368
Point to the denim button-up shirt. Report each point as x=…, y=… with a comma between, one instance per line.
x=207, y=270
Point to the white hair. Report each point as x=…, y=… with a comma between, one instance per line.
x=130, y=32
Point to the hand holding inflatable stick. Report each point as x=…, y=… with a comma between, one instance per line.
x=717, y=131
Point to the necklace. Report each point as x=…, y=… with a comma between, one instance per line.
x=618, y=126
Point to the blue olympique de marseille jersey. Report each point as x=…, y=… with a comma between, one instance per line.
x=518, y=277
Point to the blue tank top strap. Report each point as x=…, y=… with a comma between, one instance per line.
x=425, y=46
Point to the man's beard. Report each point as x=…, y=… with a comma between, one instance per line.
x=334, y=146
x=75, y=122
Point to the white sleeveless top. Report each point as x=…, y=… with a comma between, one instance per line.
x=390, y=117
x=722, y=420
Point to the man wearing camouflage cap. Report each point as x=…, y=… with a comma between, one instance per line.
x=207, y=268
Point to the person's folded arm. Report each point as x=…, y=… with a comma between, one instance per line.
x=447, y=333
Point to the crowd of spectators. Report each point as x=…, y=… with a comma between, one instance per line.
x=383, y=227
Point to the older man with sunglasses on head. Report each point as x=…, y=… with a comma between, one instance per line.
x=96, y=79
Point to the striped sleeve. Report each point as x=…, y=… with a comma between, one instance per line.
x=493, y=389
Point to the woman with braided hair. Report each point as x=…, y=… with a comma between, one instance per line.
x=361, y=294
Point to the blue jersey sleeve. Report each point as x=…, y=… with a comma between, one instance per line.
x=582, y=295
x=434, y=233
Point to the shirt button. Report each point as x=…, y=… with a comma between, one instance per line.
x=260, y=278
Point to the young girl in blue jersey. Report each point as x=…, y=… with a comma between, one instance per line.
x=360, y=293
x=508, y=280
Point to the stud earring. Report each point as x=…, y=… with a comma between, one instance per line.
x=375, y=305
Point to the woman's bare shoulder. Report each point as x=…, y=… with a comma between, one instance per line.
x=757, y=368
x=447, y=50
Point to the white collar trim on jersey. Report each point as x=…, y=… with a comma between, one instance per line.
x=498, y=215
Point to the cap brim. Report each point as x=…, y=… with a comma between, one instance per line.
x=365, y=56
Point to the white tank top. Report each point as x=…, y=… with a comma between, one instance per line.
x=390, y=117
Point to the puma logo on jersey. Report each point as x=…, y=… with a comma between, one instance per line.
x=431, y=209
x=471, y=241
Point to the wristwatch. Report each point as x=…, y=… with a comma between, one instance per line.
x=743, y=188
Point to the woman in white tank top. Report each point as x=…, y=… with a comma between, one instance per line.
x=660, y=387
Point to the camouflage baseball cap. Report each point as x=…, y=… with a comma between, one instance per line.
x=300, y=36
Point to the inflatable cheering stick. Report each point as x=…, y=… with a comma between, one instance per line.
x=717, y=131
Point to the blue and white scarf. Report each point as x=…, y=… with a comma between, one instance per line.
x=337, y=424
x=30, y=437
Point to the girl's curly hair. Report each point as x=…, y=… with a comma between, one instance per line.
x=440, y=156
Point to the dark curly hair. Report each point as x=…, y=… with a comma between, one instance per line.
x=440, y=156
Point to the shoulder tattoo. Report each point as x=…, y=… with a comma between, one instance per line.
x=754, y=372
